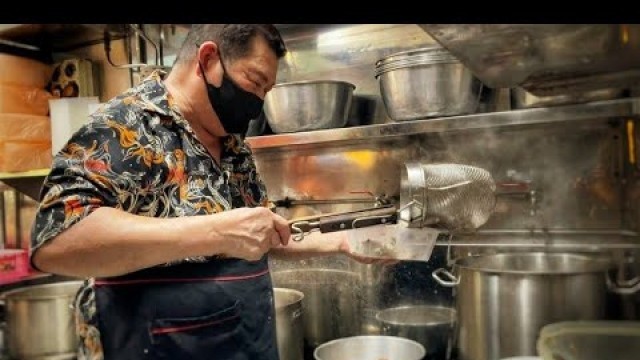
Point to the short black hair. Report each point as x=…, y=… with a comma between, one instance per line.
x=234, y=40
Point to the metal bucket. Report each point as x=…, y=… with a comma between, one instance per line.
x=376, y=347
x=503, y=300
x=40, y=322
x=332, y=305
x=289, y=326
x=431, y=326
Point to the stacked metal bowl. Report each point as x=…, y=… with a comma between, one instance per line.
x=425, y=83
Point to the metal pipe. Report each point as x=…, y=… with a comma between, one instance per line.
x=540, y=245
x=291, y=202
x=161, y=44
x=143, y=35
x=614, y=232
x=19, y=45
x=3, y=223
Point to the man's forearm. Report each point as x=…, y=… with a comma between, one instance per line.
x=111, y=242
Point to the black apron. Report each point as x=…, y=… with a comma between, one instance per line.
x=221, y=309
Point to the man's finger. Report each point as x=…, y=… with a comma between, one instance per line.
x=282, y=227
x=275, y=239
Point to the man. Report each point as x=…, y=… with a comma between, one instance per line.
x=120, y=202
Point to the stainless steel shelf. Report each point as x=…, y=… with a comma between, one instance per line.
x=27, y=182
x=627, y=107
x=24, y=174
x=58, y=37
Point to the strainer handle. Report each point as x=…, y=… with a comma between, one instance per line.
x=452, y=282
x=352, y=220
x=342, y=221
x=629, y=287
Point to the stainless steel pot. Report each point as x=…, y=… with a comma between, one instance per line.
x=332, y=305
x=40, y=322
x=374, y=347
x=503, y=300
x=308, y=105
x=431, y=326
x=289, y=326
x=426, y=82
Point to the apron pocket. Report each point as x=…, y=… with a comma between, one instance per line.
x=214, y=336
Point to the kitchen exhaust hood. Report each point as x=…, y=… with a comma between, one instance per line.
x=546, y=59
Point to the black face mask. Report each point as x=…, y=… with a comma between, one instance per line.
x=234, y=106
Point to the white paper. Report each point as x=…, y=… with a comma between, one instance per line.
x=393, y=242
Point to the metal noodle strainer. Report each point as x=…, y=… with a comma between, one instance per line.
x=459, y=198
x=434, y=199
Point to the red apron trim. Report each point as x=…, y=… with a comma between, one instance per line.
x=168, y=330
x=150, y=281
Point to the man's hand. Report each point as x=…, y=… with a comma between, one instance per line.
x=249, y=233
x=323, y=244
x=346, y=249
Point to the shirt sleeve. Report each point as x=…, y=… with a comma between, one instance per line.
x=105, y=163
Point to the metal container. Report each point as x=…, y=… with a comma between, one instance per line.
x=289, y=327
x=308, y=105
x=522, y=99
x=503, y=300
x=590, y=340
x=374, y=347
x=40, y=322
x=431, y=326
x=426, y=82
x=332, y=305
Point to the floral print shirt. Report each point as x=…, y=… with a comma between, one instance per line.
x=138, y=153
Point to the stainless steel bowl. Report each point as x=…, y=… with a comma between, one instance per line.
x=308, y=105
x=424, y=83
x=370, y=347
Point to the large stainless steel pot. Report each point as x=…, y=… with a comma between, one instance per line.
x=308, y=105
x=374, y=347
x=426, y=82
x=503, y=300
x=289, y=327
x=431, y=326
x=332, y=305
x=40, y=321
